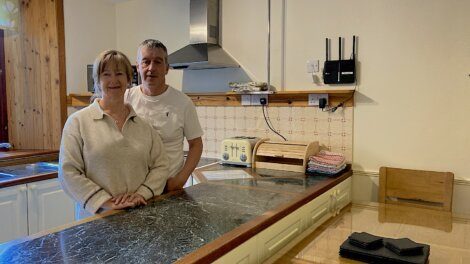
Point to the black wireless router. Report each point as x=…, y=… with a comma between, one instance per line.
x=340, y=71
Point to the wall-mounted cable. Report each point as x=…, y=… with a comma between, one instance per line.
x=268, y=121
x=334, y=108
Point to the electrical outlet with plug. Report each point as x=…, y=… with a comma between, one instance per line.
x=259, y=99
x=314, y=99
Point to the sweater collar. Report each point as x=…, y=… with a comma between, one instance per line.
x=98, y=113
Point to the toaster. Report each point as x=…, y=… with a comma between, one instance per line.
x=238, y=150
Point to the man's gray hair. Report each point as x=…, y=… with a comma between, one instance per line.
x=151, y=44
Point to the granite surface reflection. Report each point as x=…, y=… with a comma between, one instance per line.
x=295, y=185
x=30, y=169
x=161, y=232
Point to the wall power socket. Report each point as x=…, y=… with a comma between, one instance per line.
x=253, y=99
x=314, y=99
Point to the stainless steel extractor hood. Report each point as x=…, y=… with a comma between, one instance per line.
x=204, y=51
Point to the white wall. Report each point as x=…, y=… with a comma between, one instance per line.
x=90, y=28
x=413, y=57
x=164, y=20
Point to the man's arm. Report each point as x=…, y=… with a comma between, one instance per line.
x=194, y=154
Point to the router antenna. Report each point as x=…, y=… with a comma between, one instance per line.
x=354, y=48
x=339, y=57
x=327, y=51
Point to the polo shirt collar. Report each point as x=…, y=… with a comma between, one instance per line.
x=98, y=113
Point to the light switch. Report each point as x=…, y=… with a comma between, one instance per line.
x=313, y=65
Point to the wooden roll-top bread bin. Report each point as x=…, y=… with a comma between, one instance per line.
x=283, y=155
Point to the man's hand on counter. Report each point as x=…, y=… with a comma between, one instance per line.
x=126, y=200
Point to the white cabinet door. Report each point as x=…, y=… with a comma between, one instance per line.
x=13, y=212
x=48, y=206
x=342, y=195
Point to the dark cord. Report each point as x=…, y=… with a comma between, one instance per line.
x=270, y=125
x=333, y=109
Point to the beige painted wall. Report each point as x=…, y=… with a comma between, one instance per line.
x=90, y=27
x=414, y=61
x=165, y=20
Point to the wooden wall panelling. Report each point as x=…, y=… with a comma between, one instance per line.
x=36, y=69
x=14, y=83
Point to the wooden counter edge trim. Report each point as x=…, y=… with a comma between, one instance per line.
x=225, y=243
x=27, y=179
x=11, y=155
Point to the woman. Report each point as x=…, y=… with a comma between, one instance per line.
x=109, y=157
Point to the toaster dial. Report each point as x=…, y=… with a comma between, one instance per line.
x=225, y=156
x=243, y=157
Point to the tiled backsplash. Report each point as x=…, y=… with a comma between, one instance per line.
x=331, y=130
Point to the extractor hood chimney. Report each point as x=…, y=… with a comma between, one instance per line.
x=204, y=51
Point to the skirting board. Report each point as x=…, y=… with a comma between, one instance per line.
x=365, y=187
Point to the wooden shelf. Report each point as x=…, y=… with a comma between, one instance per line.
x=287, y=98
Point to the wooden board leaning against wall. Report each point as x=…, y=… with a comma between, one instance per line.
x=35, y=75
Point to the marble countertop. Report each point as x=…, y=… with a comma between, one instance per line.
x=219, y=214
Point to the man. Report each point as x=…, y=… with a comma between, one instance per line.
x=169, y=111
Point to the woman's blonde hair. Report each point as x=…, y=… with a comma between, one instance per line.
x=105, y=58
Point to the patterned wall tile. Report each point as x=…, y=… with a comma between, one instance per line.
x=333, y=131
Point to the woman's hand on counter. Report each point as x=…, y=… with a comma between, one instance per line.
x=125, y=200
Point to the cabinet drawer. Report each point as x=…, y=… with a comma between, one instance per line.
x=317, y=211
x=278, y=235
x=318, y=215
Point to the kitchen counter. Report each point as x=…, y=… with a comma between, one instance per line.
x=38, y=171
x=197, y=224
x=26, y=173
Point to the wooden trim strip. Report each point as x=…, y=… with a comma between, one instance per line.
x=62, y=62
x=30, y=179
x=292, y=98
x=288, y=98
